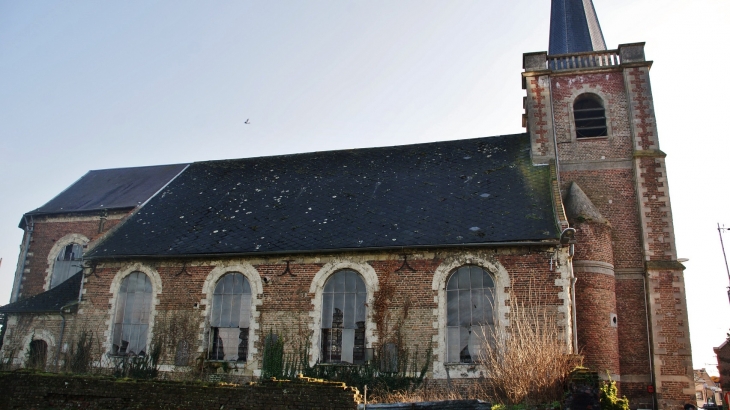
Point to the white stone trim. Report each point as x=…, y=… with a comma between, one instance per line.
x=317, y=287
x=37, y=334
x=57, y=247
x=440, y=276
x=257, y=290
x=126, y=270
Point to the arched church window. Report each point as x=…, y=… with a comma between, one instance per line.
x=590, y=116
x=343, y=318
x=469, y=313
x=66, y=264
x=230, y=317
x=132, y=315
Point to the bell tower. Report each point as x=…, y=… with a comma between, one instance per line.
x=590, y=115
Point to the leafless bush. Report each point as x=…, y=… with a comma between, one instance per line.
x=80, y=357
x=529, y=361
x=6, y=361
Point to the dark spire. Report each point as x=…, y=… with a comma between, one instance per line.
x=574, y=27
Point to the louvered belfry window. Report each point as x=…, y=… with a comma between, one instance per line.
x=469, y=313
x=67, y=263
x=132, y=316
x=343, y=318
x=230, y=317
x=590, y=116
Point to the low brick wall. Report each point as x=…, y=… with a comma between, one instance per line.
x=25, y=390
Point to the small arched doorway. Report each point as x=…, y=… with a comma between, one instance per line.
x=37, y=354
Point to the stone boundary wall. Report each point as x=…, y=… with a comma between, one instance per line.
x=22, y=390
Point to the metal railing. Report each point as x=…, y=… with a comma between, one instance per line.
x=589, y=59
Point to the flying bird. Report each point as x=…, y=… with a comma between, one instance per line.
x=247, y=121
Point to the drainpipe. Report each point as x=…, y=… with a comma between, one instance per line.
x=555, y=132
x=23, y=257
x=648, y=340
x=573, y=280
x=63, y=327
x=63, y=320
x=567, y=237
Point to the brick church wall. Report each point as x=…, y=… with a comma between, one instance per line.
x=46, y=232
x=22, y=329
x=286, y=304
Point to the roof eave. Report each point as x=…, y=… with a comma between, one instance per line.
x=21, y=311
x=547, y=242
x=21, y=224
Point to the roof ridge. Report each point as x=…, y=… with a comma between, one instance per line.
x=297, y=154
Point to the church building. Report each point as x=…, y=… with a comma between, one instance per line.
x=211, y=257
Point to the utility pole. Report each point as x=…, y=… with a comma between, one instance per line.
x=724, y=255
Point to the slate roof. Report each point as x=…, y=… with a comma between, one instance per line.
x=111, y=188
x=49, y=301
x=475, y=191
x=574, y=27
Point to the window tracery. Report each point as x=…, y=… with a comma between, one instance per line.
x=230, y=317
x=343, y=318
x=132, y=315
x=66, y=264
x=469, y=313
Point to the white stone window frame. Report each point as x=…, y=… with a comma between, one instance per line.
x=257, y=290
x=38, y=334
x=116, y=284
x=438, y=285
x=367, y=273
x=585, y=89
x=56, y=249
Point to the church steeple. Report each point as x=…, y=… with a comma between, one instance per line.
x=574, y=27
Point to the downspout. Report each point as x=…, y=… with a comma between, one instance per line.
x=648, y=340
x=63, y=328
x=573, y=280
x=20, y=271
x=63, y=321
x=555, y=134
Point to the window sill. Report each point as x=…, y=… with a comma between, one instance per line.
x=125, y=356
x=463, y=370
x=225, y=361
x=605, y=137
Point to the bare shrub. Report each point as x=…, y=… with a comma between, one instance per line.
x=80, y=357
x=6, y=361
x=529, y=361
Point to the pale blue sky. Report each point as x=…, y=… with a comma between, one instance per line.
x=92, y=85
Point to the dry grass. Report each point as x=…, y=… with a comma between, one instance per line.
x=425, y=392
